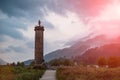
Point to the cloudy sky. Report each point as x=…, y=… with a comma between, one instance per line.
x=64, y=20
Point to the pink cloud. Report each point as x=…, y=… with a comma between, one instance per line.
x=108, y=21
x=88, y=8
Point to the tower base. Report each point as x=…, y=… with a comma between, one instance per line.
x=40, y=66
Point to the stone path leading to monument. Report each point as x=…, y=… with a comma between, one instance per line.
x=49, y=75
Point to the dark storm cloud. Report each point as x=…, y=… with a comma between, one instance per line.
x=11, y=32
x=16, y=7
x=19, y=7
x=10, y=28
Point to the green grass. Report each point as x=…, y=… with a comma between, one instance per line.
x=83, y=73
x=20, y=73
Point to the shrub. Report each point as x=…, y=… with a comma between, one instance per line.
x=102, y=61
x=113, y=62
x=61, y=61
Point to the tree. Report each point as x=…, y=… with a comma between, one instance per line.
x=61, y=61
x=32, y=63
x=67, y=62
x=113, y=62
x=13, y=64
x=20, y=64
x=102, y=62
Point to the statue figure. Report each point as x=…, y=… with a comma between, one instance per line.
x=39, y=22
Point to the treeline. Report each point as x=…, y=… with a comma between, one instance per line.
x=101, y=61
x=110, y=62
x=92, y=55
x=16, y=64
x=61, y=62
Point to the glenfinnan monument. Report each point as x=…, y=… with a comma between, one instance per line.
x=39, y=29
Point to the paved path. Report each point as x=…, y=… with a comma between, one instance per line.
x=49, y=75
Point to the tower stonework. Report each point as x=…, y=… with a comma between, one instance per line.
x=39, y=29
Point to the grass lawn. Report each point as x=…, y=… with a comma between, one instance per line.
x=84, y=73
x=20, y=73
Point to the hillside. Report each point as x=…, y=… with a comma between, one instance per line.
x=83, y=47
x=28, y=62
x=91, y=56
x=66, y=52
x=2, y=62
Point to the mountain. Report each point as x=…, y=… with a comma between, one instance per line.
x=28, y=62
x=91, y=56
x=2, y=62
x=66, y=52
x=81, y=46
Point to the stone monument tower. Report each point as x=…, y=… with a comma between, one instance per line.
x=39, y=44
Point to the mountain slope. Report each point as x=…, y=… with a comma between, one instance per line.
x=2, y=62
x=80, y=47
x=66, y=52
x=91, y=56
x=28, y=62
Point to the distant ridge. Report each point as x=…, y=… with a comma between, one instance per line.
x=92, y=55
x=28, y=62
x=81, y=47
x=2, y=62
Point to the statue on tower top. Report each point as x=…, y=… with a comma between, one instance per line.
x=39, y=26
x=39, y=23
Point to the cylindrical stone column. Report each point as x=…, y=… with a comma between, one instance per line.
x=39, y=44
